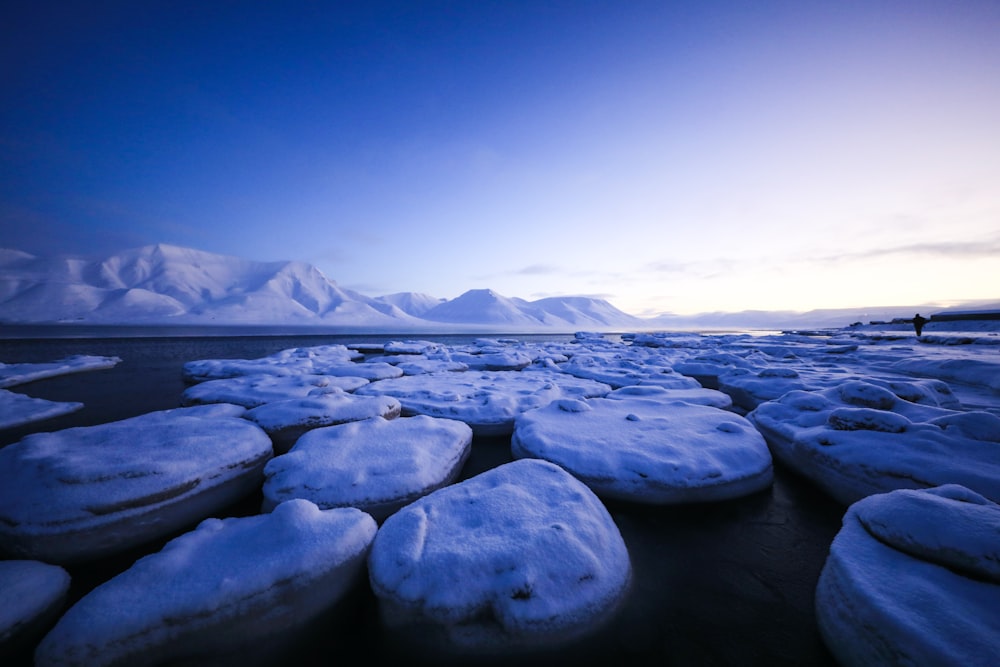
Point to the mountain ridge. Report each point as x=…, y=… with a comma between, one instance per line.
x=166, y=284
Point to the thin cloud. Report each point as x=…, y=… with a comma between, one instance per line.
x=989, y=248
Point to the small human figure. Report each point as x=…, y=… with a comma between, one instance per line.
x=919, y=322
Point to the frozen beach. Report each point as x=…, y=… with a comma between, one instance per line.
x=710, y=474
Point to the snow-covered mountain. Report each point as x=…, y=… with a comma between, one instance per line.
x=485, y=306
x=164, y=284
x=167, y=284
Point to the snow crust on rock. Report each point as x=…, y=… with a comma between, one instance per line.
x=252, y=391
x=486, y=401
x=523, y=554
x=912, y=578
x=861, y=438
x=375, y=465
x=639, y=446
x=228, y=583
x=85, y=492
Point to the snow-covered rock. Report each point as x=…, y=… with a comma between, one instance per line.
x=229, y=587
x=82, y=493
x=637, y=445
x=912, y=578
x=375, y=465
x=860, y=438
x=287, y=420
x=522, y=555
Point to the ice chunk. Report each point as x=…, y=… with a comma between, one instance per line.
x=911, y=578
x=85, y=492
x=375, y=465
x=647, y=449
x=230, y=585
x=522, y=555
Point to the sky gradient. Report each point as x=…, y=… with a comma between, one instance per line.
x=674, y=157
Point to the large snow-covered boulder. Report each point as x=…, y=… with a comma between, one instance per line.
x=860, y=438
x=521, y=556
x=287, y=420
x=913, y=578
x=486, y=401
x=228, y=587
x=251, y=391
x=86, y=492
x=636, y=444
x=375, y=465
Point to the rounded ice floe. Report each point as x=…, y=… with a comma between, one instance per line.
x=622, y=372
x=913, y=578
x=501, y=360
x=860, y=438
x=293, y=361
x=421, y=366
x=698, y=395
x=520, y=556
x=251, y=391
x=645, y=449
x=32, y=595
x=229, y=587
x=749, y=389
x=375, y=465
x=486, y=401
x=707, y=368
x=86, y=492
x=371, y=371
x=286, y=421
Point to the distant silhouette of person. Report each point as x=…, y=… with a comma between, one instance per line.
x=919, y=322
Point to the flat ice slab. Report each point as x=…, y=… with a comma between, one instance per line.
x=14, y=374
x=229, y=585
x=17, y=409
x=522, y=555
x=860, y=438
x=375, y=465
x=488, y=401
x=86, y=492
x=913, y=578
x=637, y=444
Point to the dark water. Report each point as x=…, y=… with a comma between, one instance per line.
x=728, y=583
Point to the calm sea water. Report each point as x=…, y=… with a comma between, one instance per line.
x=714, y=583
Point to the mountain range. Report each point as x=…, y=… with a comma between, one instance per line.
x=164, y=284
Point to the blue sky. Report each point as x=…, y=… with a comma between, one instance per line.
x=668, y=156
